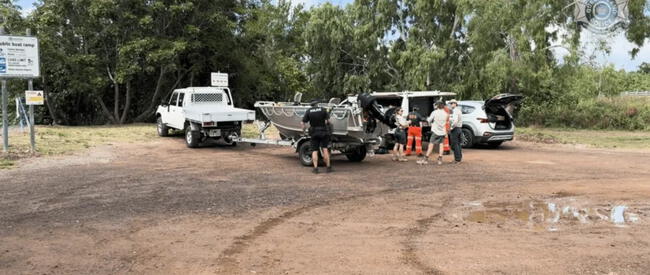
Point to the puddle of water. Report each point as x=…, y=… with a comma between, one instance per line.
x=537, y=213
x=617, y=214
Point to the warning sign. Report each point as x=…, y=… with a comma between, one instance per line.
x=34, y=97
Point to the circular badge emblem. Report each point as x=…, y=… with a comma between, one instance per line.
x=602, y=15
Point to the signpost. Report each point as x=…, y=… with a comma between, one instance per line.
x=219, y=79
x=18, y=59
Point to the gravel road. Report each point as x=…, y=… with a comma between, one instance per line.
x=159, y=208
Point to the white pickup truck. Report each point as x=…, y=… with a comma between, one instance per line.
x=203, y=113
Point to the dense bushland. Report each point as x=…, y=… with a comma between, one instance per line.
x=113, y=61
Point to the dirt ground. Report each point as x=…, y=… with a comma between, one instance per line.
x=159, y=207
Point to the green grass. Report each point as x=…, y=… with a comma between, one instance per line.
x=61, y=140
x=251, y=131
x=58, y=140
x=6, y=163
x=593, y=138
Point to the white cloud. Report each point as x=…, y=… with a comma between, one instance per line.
x=619, y=49
x=26, y=11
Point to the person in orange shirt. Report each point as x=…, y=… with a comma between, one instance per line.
x=415, y=132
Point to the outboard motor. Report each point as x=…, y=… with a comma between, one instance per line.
x=370, y=106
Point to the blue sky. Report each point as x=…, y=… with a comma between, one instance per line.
x=620, y=47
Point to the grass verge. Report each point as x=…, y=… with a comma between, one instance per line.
x=594, y=138
x=61, y=140
x=58, y=140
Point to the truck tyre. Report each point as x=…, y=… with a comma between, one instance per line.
x=192, y=138
x=304, y=153
x=356, y=155
x=162, y=129
x=467, y=138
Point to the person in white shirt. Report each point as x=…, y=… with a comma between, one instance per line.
x=400, y=134
x=456, y=126
x=438, y=119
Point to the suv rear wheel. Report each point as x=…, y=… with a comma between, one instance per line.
x=467, y=138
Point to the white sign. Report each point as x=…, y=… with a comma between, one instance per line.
x=219, y=79
x=34, y=98
x=19, y=57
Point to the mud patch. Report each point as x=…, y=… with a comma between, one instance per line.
x=553, y=214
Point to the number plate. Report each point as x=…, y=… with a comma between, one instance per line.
x=215, y=132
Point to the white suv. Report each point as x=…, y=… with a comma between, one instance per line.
x=488, y=122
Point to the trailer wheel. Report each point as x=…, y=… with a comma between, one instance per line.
x=304, y=153
x=192, y=138
x=163, y=130
x=356, y=155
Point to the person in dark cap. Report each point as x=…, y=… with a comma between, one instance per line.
x=318, y=119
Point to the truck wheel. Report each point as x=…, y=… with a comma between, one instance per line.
x=163, y=130
x=356, y=155
x=467, y=138
x=192, y=138
x=304, y=153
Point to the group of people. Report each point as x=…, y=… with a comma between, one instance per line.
x=318, y=119
x=412, y=124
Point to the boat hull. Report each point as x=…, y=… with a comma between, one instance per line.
x=346, y=121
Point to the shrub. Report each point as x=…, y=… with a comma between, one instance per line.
x=625, y=113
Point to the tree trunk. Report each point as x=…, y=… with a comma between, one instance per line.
x=127, y=104
x=105, y=110
x=116, y=108
x=50, y=108
x=154, y=100
x=116, y=90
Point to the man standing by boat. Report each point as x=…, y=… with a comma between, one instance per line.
x=319, y=134
x=438, y=119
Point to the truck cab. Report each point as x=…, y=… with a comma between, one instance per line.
x=202, y=113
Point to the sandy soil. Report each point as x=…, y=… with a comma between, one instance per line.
x=159, y=208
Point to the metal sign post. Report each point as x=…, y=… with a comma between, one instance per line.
x=5, y=119
x=32, y=135
x=30, y=86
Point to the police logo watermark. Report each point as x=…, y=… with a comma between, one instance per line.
x=602, y=16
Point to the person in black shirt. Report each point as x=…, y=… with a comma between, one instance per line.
x=318, y=119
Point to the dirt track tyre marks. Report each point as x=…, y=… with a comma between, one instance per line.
x=227, y=261
x=410, y=248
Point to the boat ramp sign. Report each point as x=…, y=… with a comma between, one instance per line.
x=219, y=79
x=34, y=98
x=19, y=57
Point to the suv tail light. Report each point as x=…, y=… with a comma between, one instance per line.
x=483, y=120
x=209, y=123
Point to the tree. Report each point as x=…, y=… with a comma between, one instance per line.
x=644, y=68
